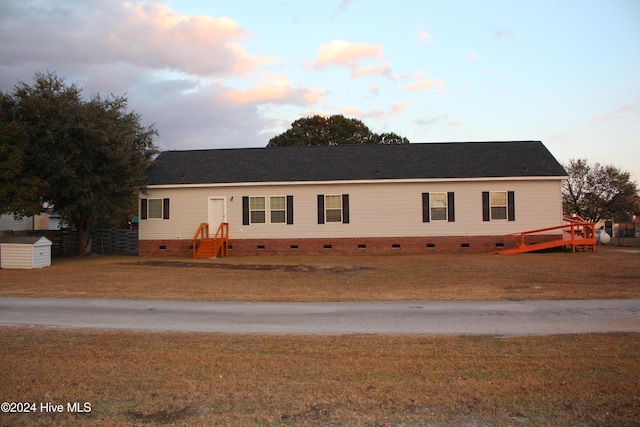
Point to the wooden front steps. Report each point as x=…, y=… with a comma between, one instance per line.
x=204, y=246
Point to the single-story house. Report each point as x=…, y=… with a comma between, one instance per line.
x=352, y=199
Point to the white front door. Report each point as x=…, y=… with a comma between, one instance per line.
x=217, y=213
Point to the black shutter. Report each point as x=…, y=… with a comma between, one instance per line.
x=320, y=208
x=486, y=211
x=345, y=209
x=165, y=208
x=511, y=208
x=289, y=209
x=425, y=207
x=451, y=216
x=245, y=210
x=143, y=208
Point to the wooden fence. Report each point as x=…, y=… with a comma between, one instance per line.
x=103, y=242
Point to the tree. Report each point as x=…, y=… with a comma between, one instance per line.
x=598, y=192
x=334, y=130
x=20, y=189
x=90, y=155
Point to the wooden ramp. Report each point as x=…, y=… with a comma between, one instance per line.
x=204, y=246
x=576, y=232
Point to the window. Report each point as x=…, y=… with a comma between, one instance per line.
x=257, y=211
x=154, y=209
x=498, y=200
x=498, y=205
x=333, y=208
x=438, y=206
x=254, y=210
x=278, y=209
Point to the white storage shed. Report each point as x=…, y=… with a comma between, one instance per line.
x=25, y=252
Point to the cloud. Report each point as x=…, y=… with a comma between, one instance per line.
x=502, y=34
x=171, y=66
x=475, y=57
x=344, y=4
x=382, y=69
x=350, y=55
x=424, y=37
x=492, y=72
x=621, y=112
x=431, y=120
x=346, y=54
x=377, y=114
x=195, y=119
x=277, y=89
x=422, y=83
x=142, y=34
x=427, y=84
x=374, y=89
x=456, y=123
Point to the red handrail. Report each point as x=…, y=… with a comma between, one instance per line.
x=220, y=238
x=202, y=233
x=581, y=232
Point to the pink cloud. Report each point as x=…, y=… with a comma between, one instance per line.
x=382, y=69
x=476, y=57
x=419, y=85
x=350, y=55
x=424, y=37
x=200, y=45
x=377, y=114
x=151, y=36
x=456, y=123
x=346, y=54
x=623, y=111
x=276, y=89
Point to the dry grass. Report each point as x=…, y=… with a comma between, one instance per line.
x=609, y=273
x=135, y=378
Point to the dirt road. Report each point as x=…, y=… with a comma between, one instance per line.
x=501, y=318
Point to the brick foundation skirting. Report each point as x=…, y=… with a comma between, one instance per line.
x=346, y=246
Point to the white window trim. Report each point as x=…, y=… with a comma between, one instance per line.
x=446, y=206
x=278, y=210
x=265, y=210
x=506, y=206
x=339, y=196
x=155, y=218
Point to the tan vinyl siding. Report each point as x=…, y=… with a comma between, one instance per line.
x=376, y=209
x=24, y=256
x=17, y=256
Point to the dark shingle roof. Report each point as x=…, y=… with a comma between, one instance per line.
x=23, y=240
x=356, y=162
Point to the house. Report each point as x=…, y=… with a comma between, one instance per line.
x=47, y=220
x=353, y=199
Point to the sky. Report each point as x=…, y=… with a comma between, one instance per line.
x=235, y=73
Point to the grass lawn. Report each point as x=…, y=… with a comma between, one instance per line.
x=608, y=273
x=134, y=378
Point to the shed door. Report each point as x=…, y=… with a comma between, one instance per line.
x=217, y=213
